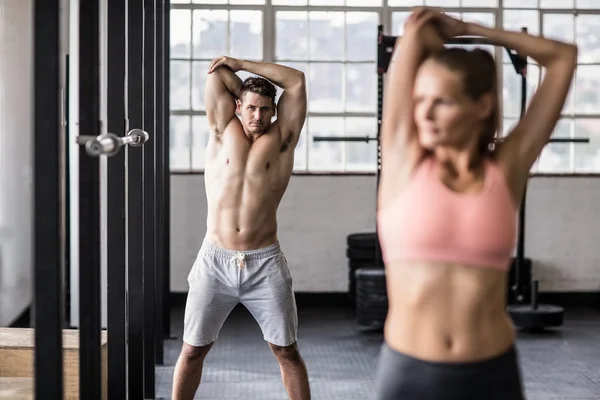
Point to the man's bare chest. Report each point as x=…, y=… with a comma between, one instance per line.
x=240, y=155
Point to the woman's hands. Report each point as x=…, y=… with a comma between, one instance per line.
x=429, y=21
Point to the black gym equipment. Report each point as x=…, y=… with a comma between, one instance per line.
x=523, y=306
x=371, y=297
x=361, y=253
x=365, y=291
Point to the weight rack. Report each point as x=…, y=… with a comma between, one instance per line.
x=385, y=49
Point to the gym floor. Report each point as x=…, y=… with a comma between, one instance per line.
x=341, y=358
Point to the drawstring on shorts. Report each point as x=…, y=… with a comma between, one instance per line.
x=240, y=259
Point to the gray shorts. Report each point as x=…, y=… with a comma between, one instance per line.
x=259, y=279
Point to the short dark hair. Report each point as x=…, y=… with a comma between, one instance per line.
x=260, y=86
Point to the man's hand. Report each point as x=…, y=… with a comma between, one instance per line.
x=232, y=63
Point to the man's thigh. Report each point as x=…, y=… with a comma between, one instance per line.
x=270, y=299
x=210, y=299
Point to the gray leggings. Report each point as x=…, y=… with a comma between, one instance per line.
x=403, y=377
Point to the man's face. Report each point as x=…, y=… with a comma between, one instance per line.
x=256, y=112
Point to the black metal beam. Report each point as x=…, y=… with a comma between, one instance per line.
x=166, y=244
x=365, y=139
x=116, y=222
x=385, y=49
x=149, y=168
x=47, y=280
x=89, y=203
x=159, y=177
x=519, y=265
x=569, y=140
x=380, y=87
x=135, y=200
x=66, y=206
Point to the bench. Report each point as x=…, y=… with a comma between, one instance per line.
x=17, y=358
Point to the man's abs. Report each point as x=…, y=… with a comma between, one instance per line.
x=244, y=185
x=241, y=217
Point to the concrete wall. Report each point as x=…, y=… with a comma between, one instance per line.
x=16, y=167
x=317, y=212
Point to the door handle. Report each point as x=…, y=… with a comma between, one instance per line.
x=109, y=144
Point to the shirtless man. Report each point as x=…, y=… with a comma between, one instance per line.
x=249, y=163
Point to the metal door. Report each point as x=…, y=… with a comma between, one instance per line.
x=124, y=33
x=116, y=134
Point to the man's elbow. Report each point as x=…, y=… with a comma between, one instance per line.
x=213, y=80
x=300, y=79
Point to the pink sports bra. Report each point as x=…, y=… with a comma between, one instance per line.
x=430, y=222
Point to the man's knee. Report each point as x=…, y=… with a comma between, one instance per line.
x=193, y=354
x=286, y=354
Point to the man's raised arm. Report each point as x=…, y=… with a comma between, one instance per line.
x=221, y=89
x=291, y=110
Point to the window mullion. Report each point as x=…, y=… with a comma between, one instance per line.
x=344, y=94
x=269, y=33
x=308, y=89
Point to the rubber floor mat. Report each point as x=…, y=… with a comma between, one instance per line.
x=341, y=359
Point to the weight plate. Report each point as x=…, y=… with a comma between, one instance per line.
x=366, y=240
x=545, y=315
x=356, y=264
x=356, y=254
x=370, y=273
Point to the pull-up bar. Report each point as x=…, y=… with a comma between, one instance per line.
x=386, y=44
x=527, y=315
x=385, y=49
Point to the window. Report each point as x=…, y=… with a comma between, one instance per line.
x=336, y=50
x=333, y=43
x=582, y=107
x=198, y=35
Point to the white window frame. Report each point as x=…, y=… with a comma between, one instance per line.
x=385, y=12
x=573, y=116
x=380, y=10
x=191, y=113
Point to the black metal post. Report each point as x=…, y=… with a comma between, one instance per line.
x=166, y=244
x=135, y=200
x=380, y=71
x=159, y=177
x=519, y=265
x=89, y=203
x=524, y=287
x=149, y=168
x=116, y=223
x=46, y=207
x=66, y=206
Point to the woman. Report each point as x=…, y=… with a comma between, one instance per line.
x=447, y=208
